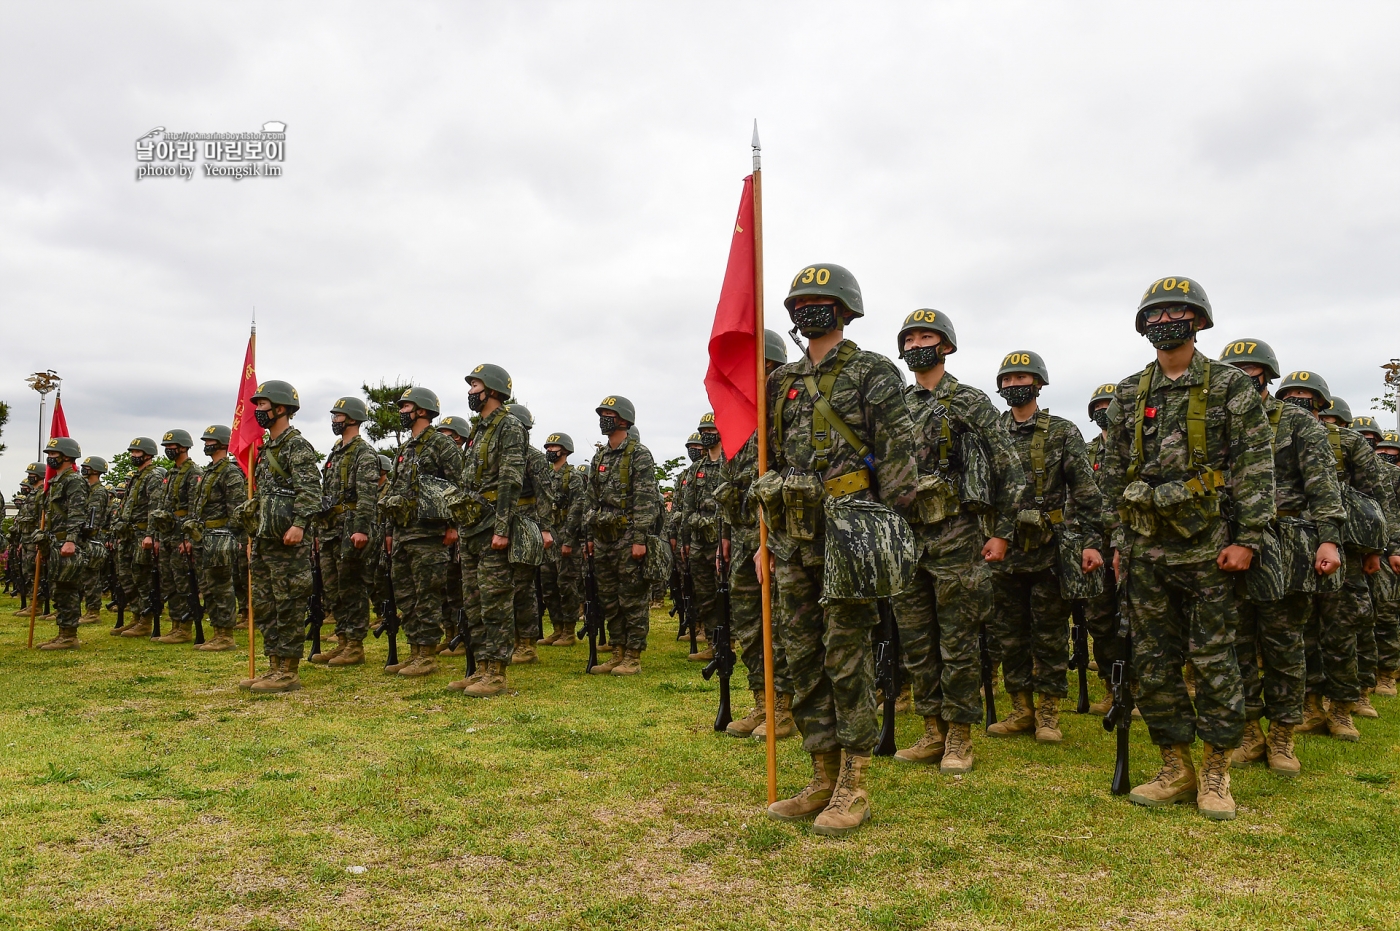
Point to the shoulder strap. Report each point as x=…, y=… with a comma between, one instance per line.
x=825, y=415
x=1334, y=437
x=784, y=389
x=1196, y=404
x=1139, y=415
x=1274, y=416
x=624, y=471
x=485, y=448
x=1042, y=430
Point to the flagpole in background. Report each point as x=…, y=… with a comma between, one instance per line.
x=246, y=437
x=44, y=382
x=770, y=697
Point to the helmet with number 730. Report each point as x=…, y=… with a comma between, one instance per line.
x=824, y=279
x=1166, y=291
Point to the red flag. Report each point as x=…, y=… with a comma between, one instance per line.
x=247, y=435
x=732, y=379
x=57, y=427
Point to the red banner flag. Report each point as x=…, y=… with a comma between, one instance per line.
x=58, y=426
x=732, y=379
x=247, y=435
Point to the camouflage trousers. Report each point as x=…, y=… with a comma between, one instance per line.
x=529, y=623
x=67, y=604
x=345, y=581
x=830, y=660
x=624, y=594
x=940, y=613
x=175, y=584
x=560, y=577
x=220, y=605
x=1388, y=636
x=1273, y=631
x=420, y=585
x=281, y=584
x=1180, y=614
x=452, y=611
x=488, y=597
x=746, y=621
x=1101, y=617
x=1332, y=633
x=705, y=583
x=1031, y=620
x=134, y=571
x=94, y=583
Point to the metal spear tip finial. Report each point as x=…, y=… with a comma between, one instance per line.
x=755, y=144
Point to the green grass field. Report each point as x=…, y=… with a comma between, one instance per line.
x=141, y=789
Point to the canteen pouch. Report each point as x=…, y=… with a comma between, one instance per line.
x=656, y=565
x=870, y=551
x=1137, y=510
x=464, y=507
x=1033, y=529
x=1184, y=513
x=802, y=496
x=975, y=481
x=1268, y=576
x=704, y=527
x=1365, y=525
x=937, y=500
x=275, y=514
x=161, y=521
x=768, y=489
x=1075, y=584
x=609, y=526
x=220, y=547
x=731, y=503
x=526, y=542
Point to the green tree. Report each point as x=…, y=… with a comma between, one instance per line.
x=384, y=409
x=4, y=419
x=666, y=473
x=119, y=469
x=1386, y=401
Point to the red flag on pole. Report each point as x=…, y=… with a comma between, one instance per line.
x=732, y=379
x=58, y=426
x=247, y=435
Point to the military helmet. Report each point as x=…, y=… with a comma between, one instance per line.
x=352, y=407
x=1251, y=350
x=694, y=440
x=1366, y=425
x=927, y=319
x=1176, y=291
x=217, y=433
x=179, y=438
x=36, y=468
x=142, y=444
x=521, y=413
x=560, y=439
x=493, y=377
x=96, y=464
x=634, y=434
x=1339, y=409
x=827, y=280
x=774, y=348
x=385, y=463
x=1104, y=392
x=421, y=398
x=458, y=425
x=64, y=446
x=618, y=405
x=1390, y=440
x=707, y=422
x=1309, y=380
x=1023, y=360
x=278, y=392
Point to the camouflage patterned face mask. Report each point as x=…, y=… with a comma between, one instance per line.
x=1389, y=455
x=923, y=358
x=1306, y=404
x=694, y=452
x=338, y=427
x=814, y=319
x=476, y=401
x=552, y=455
x=1169, y=334
x=1100, y=417
x=1017, y=395
x=53, y=462
x=264, y=418
x=709, y=438
x=607, y=423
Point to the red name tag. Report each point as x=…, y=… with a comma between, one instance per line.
x=602, y=468
x=1149, y=412
x=792, y=394
x=700, y=475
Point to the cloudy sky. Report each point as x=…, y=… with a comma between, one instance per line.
x=551, y=187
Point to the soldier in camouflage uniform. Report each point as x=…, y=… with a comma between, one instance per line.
x=98, y=510
x=623, y=505
x=350, y=502
x=220, y=537
x=1388, y=610
x=26, y=521
x=536, y=504
x=738, y=545
x=1308, y=502
x=428, y=466
x=1101, y=611
x=1059, y=532
x=457, y=429
x=144, y=490
x=839, y=436
x=383, y=528
x=492, y=476
x=560, y=575
x=697, y=530
x=167, y=536
x=1377, y=646
x=285, y=502
x=63, y=506
x=1189, y=467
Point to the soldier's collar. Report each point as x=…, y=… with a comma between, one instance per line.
x=1195, y=373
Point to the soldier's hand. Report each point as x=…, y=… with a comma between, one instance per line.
x=184, y=547
x=1372, y=565
x=547, y=537
x=1117, y=572
x=1235, y=558
x=1328, y=559
x=147, y=543
x=639, y=551
x=293, y=536
x=1395, y=564
x=359, y=540
x=994, y=550
x=450, y=537
x=724, y=549
x=499, y=542
x=67, y=549
x=685, y=552
x=1091, y=559
x=588, y=548
x=566, y=549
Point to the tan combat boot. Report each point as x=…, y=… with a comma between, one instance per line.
x=1019, y=720
x=849, y=807
x=1252, y=746
x=1214, y=799
x=22, y=612
x=413, y=653
x=744, y=726
x=783, y=724
x=67, y=639
x=326, y=656
x=1339, y=722
x=1103, y=705
x=548, y=640
x=221, y=641
x=957, y=749
x=904, y=702
x=566, y=638
x=1364, y=708
x=1385, y=682
x=703, y=655
x=817, y=793
x=1282, y=759
x=1175, y=781
x=141, y=627
x=274, y=667
x=491, y=681
x=1314, y=715
x=1047, y=720
x=606, y=666
x=928, y=748
x=286, y=679
x=180, y=632
x=91, y=617
x=631, y=663
x=524, y=652
x=352, y=653
x=424, y=665
x=1188, y=674
x=462, y=683
x=117, y=631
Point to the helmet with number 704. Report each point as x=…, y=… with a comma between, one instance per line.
x=1166, y=291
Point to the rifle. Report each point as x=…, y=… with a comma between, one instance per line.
x=157, y=604
x=677, y=589
x=592, y=613
x=887, y=675
x=1079, y=633
x=44, y=589
x=463, y=638
x=723, y=663
x=989, y=684
x=315, y=604
x=118, y=593
x=1120, y=716
x=691, y=611
x=539, y=602
x=389, y=610
x=194, y=608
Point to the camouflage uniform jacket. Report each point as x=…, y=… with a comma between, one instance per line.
x=568, y=484
x=969, y=411
x=1096, y=449
x=1237, y=444
x=222, y=490
x=1069, y=486
x=698, y=523
x=1392, y=473
x=495, y=468
x=1363, y=470
x=738, y=523
x=177, y=494
x=64, y=505
x=536, y=499
x=614, y=510
x=97, y=511
x=297, y=458
x=26, y=511
x=350, y=485
x=428, y=453
x=143, y=490
x=1305, y=475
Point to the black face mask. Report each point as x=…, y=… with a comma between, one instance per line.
x=137, y=460
x=1100, y=417
x=694, y=453
x=338, y=426
x=172, y=454
x=210, y=449
x=264, y=418
x=1016, y=395
x=923, y=358
x=552, y=455
x=1370, y=439
x=1391, y=457
x=1305, y=403
x=814, y=319
x=1261, y=381
x=607, y=423
x=53, y=462
x=476, y=401
x=406, y=420
x=1169, y=334
x=709, y=439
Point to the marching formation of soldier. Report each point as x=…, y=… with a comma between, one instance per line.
x=1231, y=544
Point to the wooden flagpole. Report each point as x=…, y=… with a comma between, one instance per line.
x=769, y=693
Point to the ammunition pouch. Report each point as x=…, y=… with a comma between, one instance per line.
x=656, y=566
x=937, y=500
x=220, y=549
x=1365, y=525
x=730, y=499
x=802, y=495
x=193, y=529
x=162, y=521
x=1036, y=528
x=1183, y=511
x=1137, y=510
x=526, y=541
x=1075, y=583
x=466, y=507
x=703, y=527
x=609, y=526
x=870, y=551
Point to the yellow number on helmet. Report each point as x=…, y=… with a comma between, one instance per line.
x=1303, y=376
x=808, y=275
x=823, y=275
